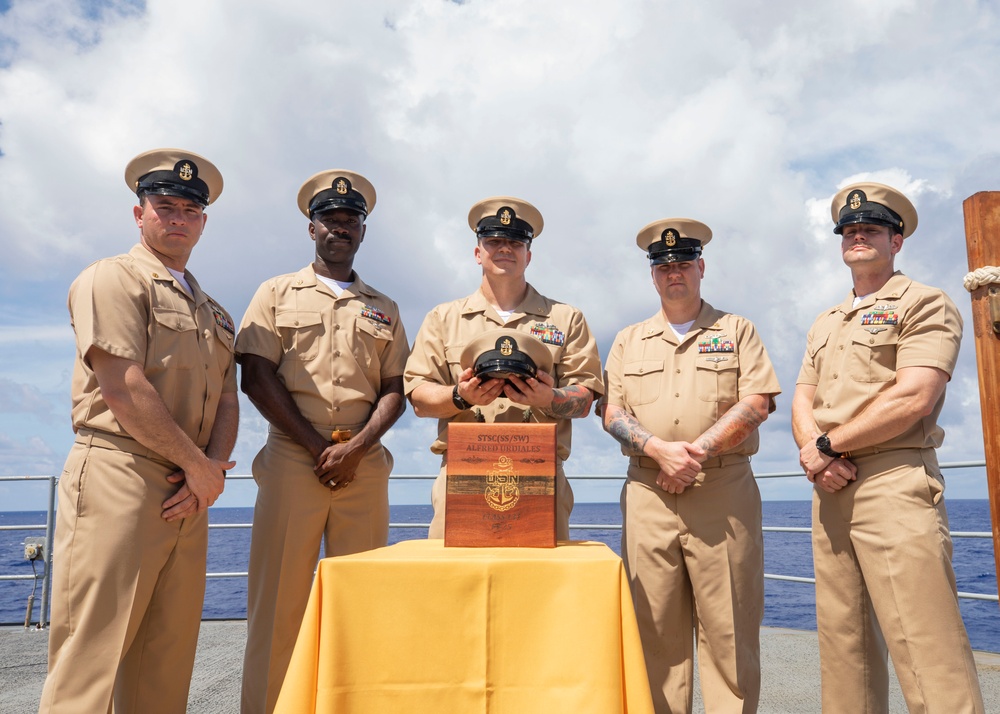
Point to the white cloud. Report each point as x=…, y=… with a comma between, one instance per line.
x=605, y=117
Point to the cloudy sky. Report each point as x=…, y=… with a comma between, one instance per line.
x=747, y=116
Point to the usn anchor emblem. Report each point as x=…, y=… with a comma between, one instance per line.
x=186, y=172
x=670, y=237
x=341, y=187
x=505, y=216
x=855, y=201
x=502, y=492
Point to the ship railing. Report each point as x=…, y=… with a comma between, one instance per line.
x=48, y=529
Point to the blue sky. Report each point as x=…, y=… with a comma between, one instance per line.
x=746, y=117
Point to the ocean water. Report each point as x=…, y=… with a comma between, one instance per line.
x=786, y=604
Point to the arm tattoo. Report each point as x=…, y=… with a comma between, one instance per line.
x=570, y=402
x=734, y=426
x=629, y=432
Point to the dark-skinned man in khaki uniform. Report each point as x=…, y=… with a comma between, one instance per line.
x=322, y=355
x=864, y=415
x=686, y=391
x=155, y=413
x=438, y=387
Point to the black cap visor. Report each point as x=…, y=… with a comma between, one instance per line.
x=873, y=213
x=495, y=365
x=330, y=200
x=164, y=183
x=491, y=227
x=686, y=250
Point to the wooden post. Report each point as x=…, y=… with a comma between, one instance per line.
x=982, y=237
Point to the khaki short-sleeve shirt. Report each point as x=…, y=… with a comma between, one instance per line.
x=130, y=306
x=852, y=353
x=678, y=389
x=449, y=327
x=332, y=353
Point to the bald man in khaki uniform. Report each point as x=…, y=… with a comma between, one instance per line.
x=438, y=387
x=864, y=415
x=686, y=391
x=155, y=412
x=323, y=356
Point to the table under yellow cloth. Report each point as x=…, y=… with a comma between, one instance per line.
x=417, y=627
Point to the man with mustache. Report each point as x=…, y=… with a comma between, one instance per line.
x=322, y=355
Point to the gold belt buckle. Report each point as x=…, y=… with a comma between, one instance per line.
x=339, y=436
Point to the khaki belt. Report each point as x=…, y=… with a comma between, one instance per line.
x=337, y=433
x=872, y=450
x=644, y=462
x=104, y=440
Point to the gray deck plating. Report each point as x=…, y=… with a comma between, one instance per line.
x=790, y=671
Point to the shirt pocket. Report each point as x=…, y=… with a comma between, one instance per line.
x=642, y=381
x=175, y=339
x=716, y=378
x=301, y=333
x=873, y=357
x=371, y=341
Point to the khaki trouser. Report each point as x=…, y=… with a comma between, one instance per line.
x=294, y=512
x=882, y=554
x=695, y=561
x=127, y=587
x=564, y=503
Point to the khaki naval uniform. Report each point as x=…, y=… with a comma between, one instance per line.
x=332, y=355
x=128, y=586
x=436, y=359
x=881, y=545
x=694, y=559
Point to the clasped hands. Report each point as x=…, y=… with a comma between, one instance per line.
x=829, y=473
x=679, y=461
x=200, y=488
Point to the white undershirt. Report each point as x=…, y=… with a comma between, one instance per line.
x=681, y=328
x=858, y=299
x=338, y=286
x=179, y=276
x=505, y=314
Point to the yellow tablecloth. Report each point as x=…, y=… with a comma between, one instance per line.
x=416, y=627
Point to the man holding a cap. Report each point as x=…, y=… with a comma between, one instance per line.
x=155, y=412
x=437, y=384
x=323, y=356
x=686, y=391
x=864, y=415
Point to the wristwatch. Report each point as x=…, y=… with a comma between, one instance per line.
x=823, y=446
x=457, y=400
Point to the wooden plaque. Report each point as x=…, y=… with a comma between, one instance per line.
x=501, y=485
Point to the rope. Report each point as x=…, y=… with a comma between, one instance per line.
x=981, y=276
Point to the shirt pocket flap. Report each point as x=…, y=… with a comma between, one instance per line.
x=453, y=353
x=380, y=332
x=174, y=319
x=641, y=367
x=297, y=318
x=884, y=338
x=717, y=363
